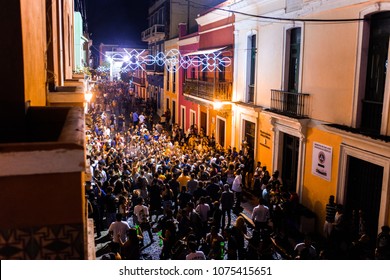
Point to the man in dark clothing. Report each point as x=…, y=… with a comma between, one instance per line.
x=174, y=185
x=213, y=189
x=227, y=201
x=330, y=215
x=195, y=220
x=199, y=192
x=183, y=198
x=110, y=206
x=382, y=250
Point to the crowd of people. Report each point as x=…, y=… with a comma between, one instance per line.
x=149, y=176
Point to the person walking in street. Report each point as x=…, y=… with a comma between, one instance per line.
x=237, y=190
x=260, y=215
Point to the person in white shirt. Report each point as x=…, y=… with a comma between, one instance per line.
x=119, y=229
x=141, y=118
x=260, y=215
x=194, y=253
x=203, y=210
x=142, y=215
x=237, y=189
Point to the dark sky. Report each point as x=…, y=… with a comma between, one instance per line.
x=117, y=21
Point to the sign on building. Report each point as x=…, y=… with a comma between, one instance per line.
x=322, y=161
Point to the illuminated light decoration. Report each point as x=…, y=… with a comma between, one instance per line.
x=103, y=69
x=173, y=60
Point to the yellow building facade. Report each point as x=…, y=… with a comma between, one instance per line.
x=171, y=80
x=311, y=78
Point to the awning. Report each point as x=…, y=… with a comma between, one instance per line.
x=208, y=51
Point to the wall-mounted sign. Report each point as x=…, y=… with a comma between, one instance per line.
x=265, y=139
x=322, y=161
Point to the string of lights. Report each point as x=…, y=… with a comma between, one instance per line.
x=173, y=60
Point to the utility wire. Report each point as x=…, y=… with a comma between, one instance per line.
x=197, y=5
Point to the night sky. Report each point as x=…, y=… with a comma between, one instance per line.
x=117, y=21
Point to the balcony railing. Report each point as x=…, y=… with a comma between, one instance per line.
x=139, y=81
x=155, y=68
x=157, y=30
x=221, y=91
x=290, y=103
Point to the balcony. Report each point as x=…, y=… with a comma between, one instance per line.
x=154, y=69
x=139, y=81
x=50, y=161
x=70, y=94
x=221, y=91
x=290, y=103
x=154, y=33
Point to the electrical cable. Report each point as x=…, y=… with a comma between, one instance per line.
x=316, y=20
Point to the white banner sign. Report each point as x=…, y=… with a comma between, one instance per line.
x=322, y=161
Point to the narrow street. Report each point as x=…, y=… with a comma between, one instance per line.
x=152, y=251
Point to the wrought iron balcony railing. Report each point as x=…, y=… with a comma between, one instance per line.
x=139, y=81
x=157, y=30
x=221, y=91
x=290, y=103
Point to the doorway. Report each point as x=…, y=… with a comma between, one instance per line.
x=221, y=132
x=363, y=191
x=290, y=162
x=203, y=122
x=249, y=135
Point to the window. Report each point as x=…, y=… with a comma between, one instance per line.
x=183, y=116
x=173, y=111
x=221, y=72
x=174, y=79
x=185, y=74
x=294, y=55
x=374, y=79
x=192, y=117
x=168, y=78
x=221, y=125
x=158, y=94
x=252, y=51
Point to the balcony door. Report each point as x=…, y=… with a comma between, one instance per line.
x=221, y=127
x=249, y=135
x=377, y=60
x=203, y=122
x=173, y=112
x=363, y=191
x=294, y=58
